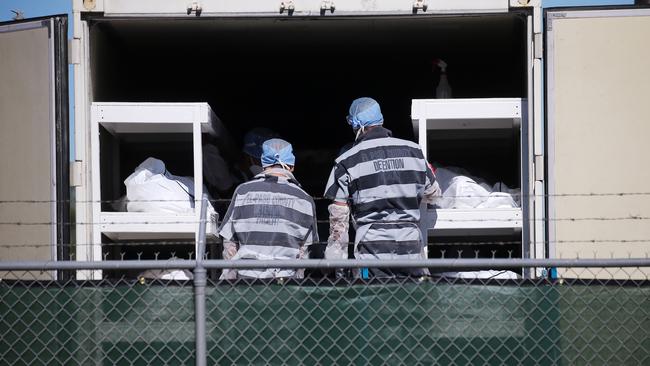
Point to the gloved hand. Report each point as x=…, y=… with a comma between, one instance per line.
x=229, y=251
x=337, y=242
x=432, y=193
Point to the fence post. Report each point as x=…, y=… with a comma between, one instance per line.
x=200, y=275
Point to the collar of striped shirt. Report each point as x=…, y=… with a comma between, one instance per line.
x=376, y=132
x=277, y=173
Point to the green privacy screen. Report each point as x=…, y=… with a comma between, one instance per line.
x=393, y=323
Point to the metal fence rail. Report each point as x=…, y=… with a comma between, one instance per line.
x=597, y=313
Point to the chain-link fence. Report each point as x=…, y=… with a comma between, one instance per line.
x=467, y=312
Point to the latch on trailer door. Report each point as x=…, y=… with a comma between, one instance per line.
x=325, y=6
x=76, y=174
x=195, y=8
x=419, y=5
x=288, y=7
x=74, y=51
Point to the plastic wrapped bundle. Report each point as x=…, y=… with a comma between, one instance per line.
x=462, y=191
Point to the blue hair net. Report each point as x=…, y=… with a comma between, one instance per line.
x=254, y=139
x=277, y=151
x=364, y=112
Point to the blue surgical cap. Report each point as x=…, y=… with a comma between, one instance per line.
x=365, y=112
x=254, y=139
x=277, y=151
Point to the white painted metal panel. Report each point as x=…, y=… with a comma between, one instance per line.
x=151, y=112
x=474, y=108
x=82, y=143
x=598, y=86
x=28, y=141
x=470, y=114
x=301, y=7
x=154, y=117
x=444, y=220
x=142, y=225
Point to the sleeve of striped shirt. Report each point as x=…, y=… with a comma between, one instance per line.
x=337, y=188
x=226, y=230
x=314, y=231
x=312, y=237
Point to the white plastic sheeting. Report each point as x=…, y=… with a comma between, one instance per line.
x=489, y=274
x=462, y=191
x=151, y=188
x=167, y=274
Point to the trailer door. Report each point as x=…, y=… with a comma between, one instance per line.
x=598, y=132
x=34, y=151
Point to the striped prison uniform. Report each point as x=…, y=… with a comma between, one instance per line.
x=384, y=179
x=270, y=217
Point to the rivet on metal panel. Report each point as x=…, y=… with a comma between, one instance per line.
x=90, y=4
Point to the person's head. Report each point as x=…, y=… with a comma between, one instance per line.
x=253, y=141
x=278, y=153
x=364, y=112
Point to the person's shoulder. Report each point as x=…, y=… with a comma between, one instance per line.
x=298, y=191
x=399, y=141
x=248, y=186
x=349, y=152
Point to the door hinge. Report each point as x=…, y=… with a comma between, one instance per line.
x=74, y=51
x=76, y=174
x=539, y=167
x=538, y=46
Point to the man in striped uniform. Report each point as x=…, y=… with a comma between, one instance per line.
x=270, y=217
x=382, y=180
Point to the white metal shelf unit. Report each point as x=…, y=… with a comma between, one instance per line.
x=468, y=114
x=148, y=118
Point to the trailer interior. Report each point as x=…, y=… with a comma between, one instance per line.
x=298, y=76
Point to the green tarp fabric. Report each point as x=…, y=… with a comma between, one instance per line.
x=397, y=323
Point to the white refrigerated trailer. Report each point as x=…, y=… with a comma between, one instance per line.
x=552, y=102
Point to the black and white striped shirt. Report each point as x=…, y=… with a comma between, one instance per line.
x=270, y=217
x=383, y=179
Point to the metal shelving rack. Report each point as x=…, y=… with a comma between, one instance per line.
x=147, y=118
x=468, y=114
